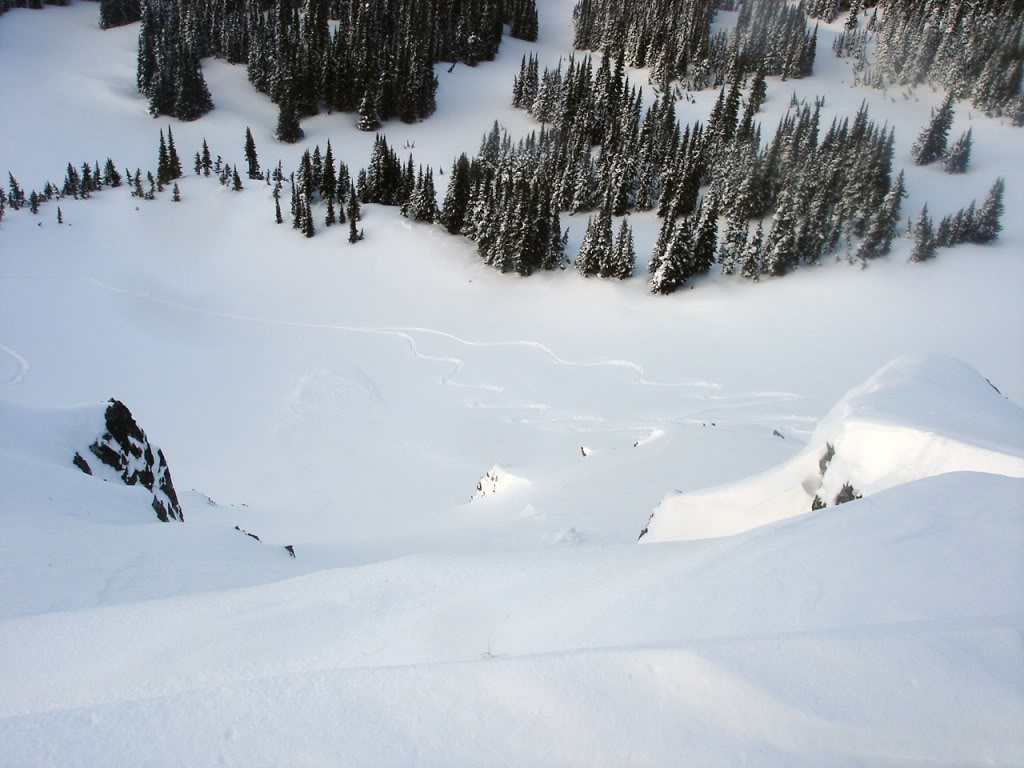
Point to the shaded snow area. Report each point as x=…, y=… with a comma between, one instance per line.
x=331, y=592
x=916, y=418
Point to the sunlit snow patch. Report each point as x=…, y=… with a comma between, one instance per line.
x=497, y=480
x=916, y=417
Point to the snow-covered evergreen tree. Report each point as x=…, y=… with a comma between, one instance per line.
x=931, y=142
x=987, y=224
x=924, y=238
x=959, y=155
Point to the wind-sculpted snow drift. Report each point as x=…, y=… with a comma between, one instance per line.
x=917, y=417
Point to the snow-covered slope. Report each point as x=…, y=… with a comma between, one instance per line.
x=71, y=540
x=346, y=399
x=916, y=417
x=886, y=635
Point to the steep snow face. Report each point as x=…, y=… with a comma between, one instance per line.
x=919, y=416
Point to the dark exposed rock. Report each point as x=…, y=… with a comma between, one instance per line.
x=125, y=448
x=250, y=535
x=778, y=434
x=847, y=493
x=81, y=463
x=826, y=458
x=290, y=549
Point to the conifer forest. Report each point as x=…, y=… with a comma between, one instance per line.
x=754, y=200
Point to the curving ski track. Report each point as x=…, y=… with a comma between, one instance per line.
x=457, y=364
x=20, y=361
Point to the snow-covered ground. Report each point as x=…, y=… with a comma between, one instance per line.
x=347, y=400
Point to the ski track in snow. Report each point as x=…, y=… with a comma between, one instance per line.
x=21, y=362
x=406, y=333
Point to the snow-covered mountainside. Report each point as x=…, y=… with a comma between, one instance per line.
x=328, y=589
x=917, y=417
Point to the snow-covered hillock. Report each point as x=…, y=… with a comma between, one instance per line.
x=497, y=480
x=916, y=417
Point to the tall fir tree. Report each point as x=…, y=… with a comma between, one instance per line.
x=987, y=223
x=750, y=263
x=252, y=161
x=924, y=238
x=931, y=142
x=355, y=234
x=163, y=163
x=959, y=155
x=623, y=260
x=288, y=129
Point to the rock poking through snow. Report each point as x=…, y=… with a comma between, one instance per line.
x=124, y=448
x=917, y=417
x=497, y=479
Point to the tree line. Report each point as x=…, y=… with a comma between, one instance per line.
x=378, y=60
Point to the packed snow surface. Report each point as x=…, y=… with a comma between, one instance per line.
x=345, y=400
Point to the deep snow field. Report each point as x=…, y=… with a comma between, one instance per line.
x=346, y=400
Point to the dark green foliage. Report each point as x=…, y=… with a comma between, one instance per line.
x=117, y=13
x=878, y=239
x=111, y=177
x=972, y=49
x=988, y=224
x=456, y=201
x=16, y=196
x=171, y=42
x=959, y=155
x=369, y=120
x=522, y=16
x=288, y=128
x=672, y=263
x=673, y=38
x=354, y=233
x=758, y=91
x=924, y=238
x=623, y=257
x=176, y=196
x=236, y=180
x=173, y=161
x=72, y=184
x=750, y=265
x=252, y=161
x=931, y=142
x=596, y=248
x=207, y=162
x=970, y=225
x=163, y=163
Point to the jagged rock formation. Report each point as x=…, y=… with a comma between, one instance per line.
x=124, y=448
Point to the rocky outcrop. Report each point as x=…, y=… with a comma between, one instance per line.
x=124, y=448
x=497, y=479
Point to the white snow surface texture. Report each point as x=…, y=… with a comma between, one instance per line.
x=346, y=399
x=915, y=418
